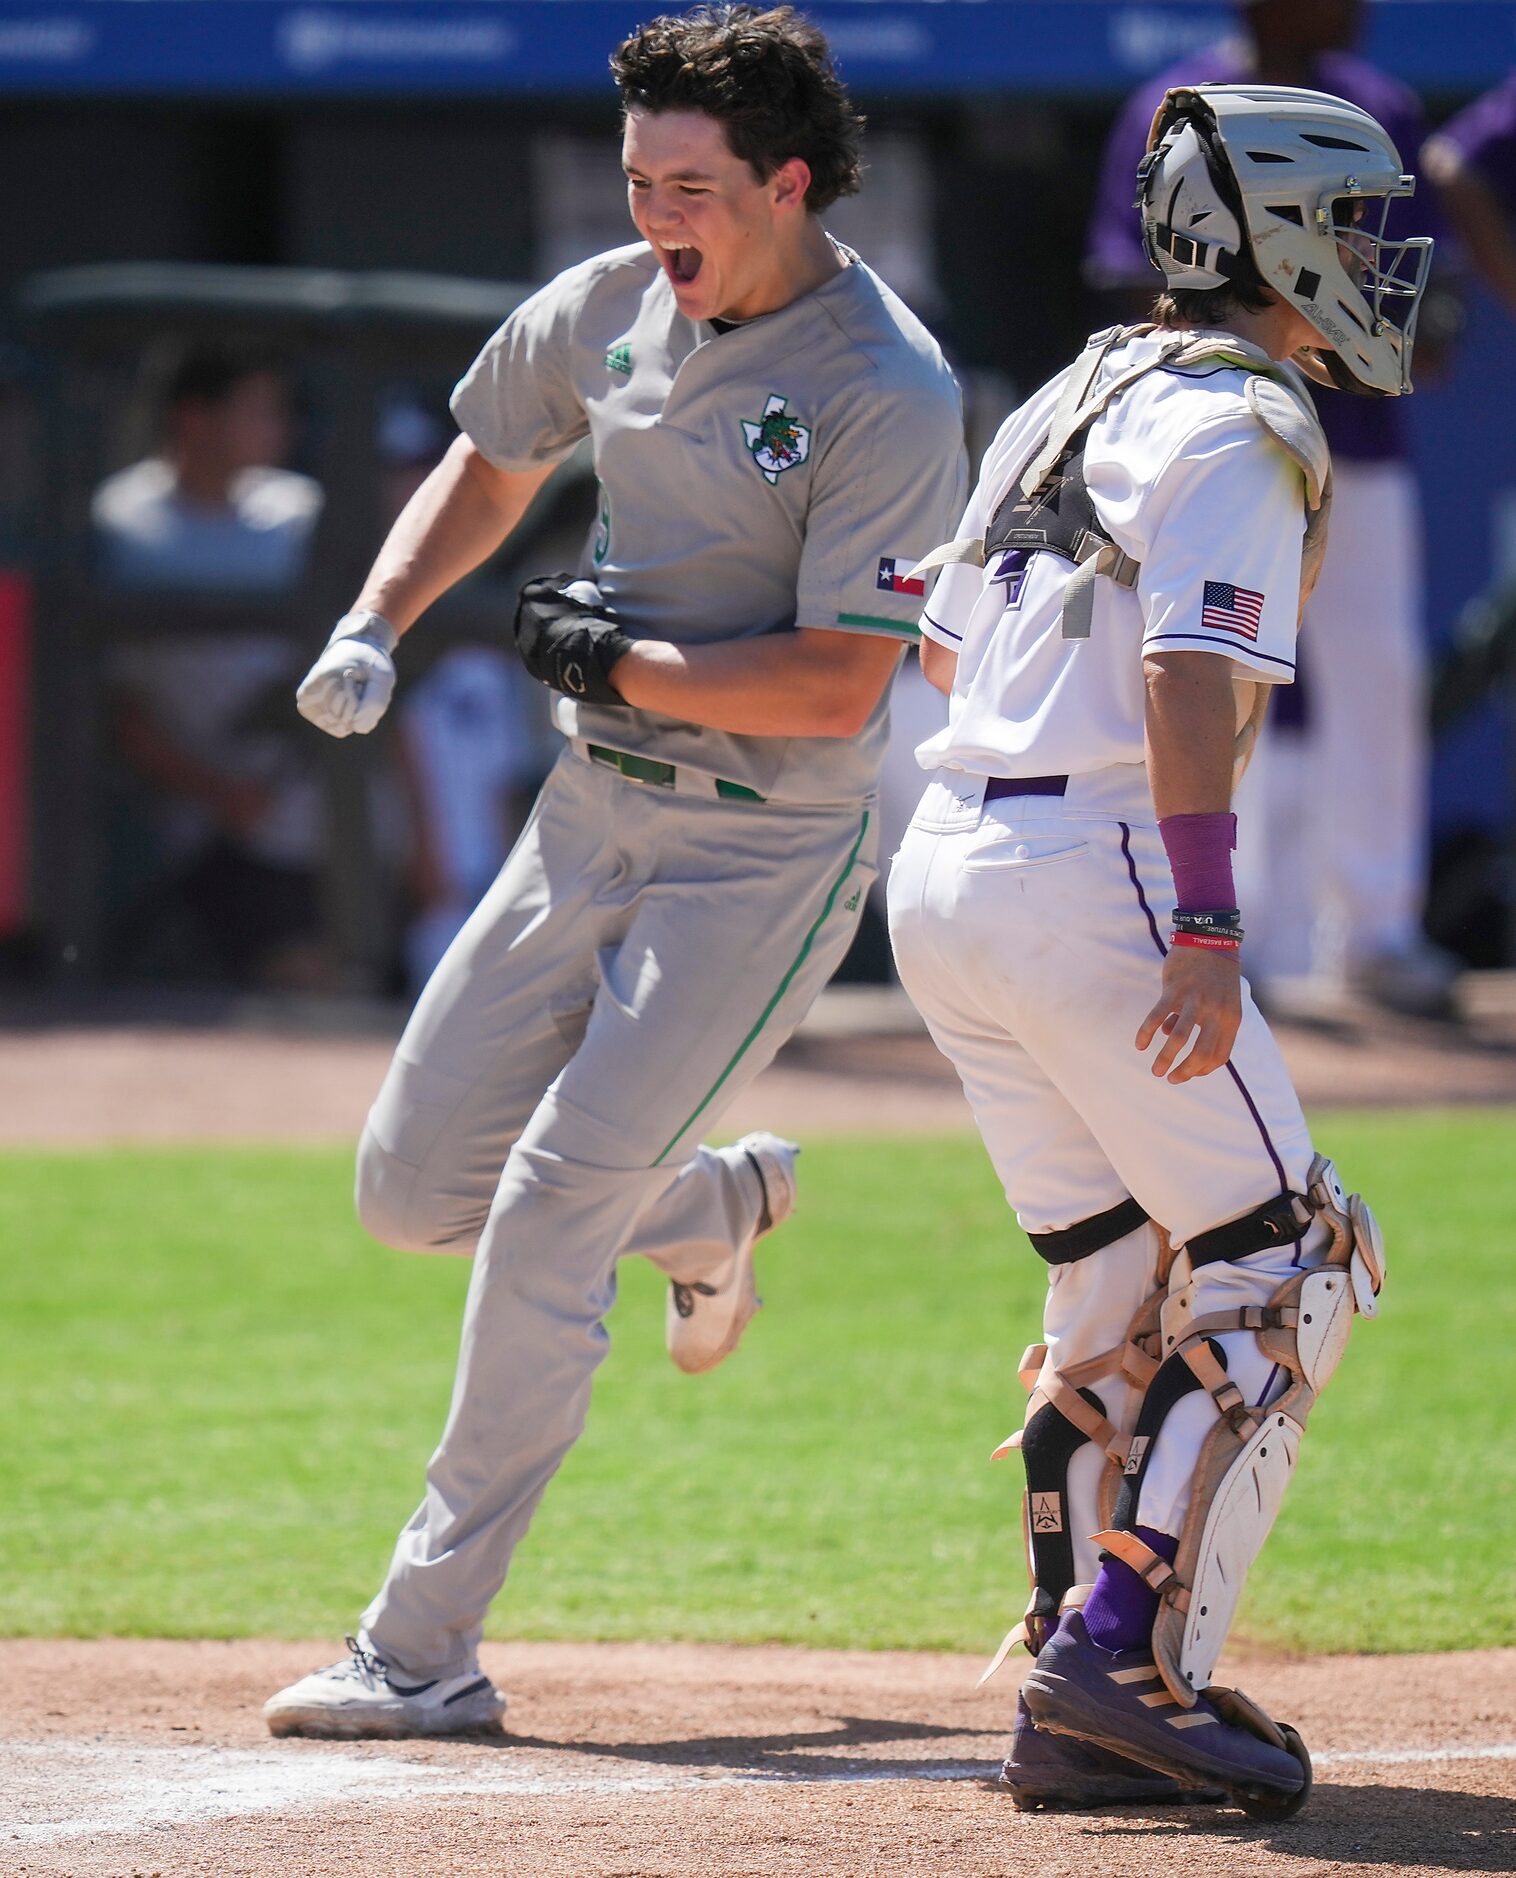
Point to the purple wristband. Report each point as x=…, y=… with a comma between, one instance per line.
x=1199, y=848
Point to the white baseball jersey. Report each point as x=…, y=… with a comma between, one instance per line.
x=1029, y=929
x=1170, y=465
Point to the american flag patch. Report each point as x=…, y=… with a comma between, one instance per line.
x=894, y=571
x=1229, y=609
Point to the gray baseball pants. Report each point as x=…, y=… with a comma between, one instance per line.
x=641, y=957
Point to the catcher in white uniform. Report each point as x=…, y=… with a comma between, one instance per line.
x=1127, y=581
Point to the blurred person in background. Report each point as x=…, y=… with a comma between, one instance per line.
x=232, y=800
x=1472, y=159
x=473, y=731
x=1333, y=814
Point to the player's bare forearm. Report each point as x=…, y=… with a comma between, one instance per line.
x=795, y=684
x=454, y=522
x=1191, y=732
x=939, y=665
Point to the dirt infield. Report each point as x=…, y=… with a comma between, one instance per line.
x=662, y=1761
x=861, y=1062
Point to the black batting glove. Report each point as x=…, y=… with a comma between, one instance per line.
x=567, y=642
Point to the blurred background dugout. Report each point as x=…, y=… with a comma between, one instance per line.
x=250, y=248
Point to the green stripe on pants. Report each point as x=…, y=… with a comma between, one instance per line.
x=784, y=985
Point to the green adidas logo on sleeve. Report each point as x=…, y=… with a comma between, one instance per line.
x=619, y=359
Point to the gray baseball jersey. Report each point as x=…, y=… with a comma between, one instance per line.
x=647, y=948
x=785, y=472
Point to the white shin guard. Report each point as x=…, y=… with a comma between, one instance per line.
x=1250, y=1452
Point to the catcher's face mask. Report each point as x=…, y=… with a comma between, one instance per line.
x=1315, y=178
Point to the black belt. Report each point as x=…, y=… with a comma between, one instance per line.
x=999, y=786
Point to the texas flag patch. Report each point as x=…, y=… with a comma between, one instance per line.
x=894, y=575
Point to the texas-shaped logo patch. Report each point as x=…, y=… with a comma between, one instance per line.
x=777, y=442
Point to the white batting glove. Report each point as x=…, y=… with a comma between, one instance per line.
x=348, y=688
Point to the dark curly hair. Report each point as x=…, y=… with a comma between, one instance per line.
x=765, y=74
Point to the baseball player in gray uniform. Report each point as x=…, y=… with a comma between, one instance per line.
x=1126, y=587
x=777, y=442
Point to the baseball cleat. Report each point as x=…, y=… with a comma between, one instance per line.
x=1116, y=1700
x=1056, y=1773
x=365, y=1697
x=704, y=1321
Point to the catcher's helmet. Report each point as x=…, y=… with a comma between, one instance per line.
x=1296, y=187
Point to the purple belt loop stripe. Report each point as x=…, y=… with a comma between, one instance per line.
x=999, y=786
x=1242, y=1088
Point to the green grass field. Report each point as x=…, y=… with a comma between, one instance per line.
x=219, y=1397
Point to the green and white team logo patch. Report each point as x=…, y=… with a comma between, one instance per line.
x=777, y=442
x=619, y=359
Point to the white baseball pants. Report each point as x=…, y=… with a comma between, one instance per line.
x=1030, y=934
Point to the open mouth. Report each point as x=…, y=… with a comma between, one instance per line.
x=682, y=261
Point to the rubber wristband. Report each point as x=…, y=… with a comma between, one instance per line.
x=1222, y=919
x=1206, y=942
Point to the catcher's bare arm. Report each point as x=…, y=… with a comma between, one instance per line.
x=1190, y=742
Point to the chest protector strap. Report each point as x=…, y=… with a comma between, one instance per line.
x=1048, y=509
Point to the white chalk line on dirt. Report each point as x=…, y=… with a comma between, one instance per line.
x=52, y=1790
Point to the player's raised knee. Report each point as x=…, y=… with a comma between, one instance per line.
x=396, y=1209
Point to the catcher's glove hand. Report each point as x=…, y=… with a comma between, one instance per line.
x=567, y=640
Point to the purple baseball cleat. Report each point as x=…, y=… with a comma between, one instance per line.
x=1049, y=1773
x=1117, y=1700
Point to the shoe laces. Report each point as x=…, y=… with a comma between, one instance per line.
x=365, y=1664
x=684, y=1296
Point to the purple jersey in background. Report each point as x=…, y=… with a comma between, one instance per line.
x=1368, y=429
x=1484, y=135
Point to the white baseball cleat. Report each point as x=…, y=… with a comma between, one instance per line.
x=364, y=1697
x=704, y=1322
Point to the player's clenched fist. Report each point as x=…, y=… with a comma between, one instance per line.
x=568, y=639
x=348, y=688
x=1202, y=993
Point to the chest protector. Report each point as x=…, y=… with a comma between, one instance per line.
x=1048, y=508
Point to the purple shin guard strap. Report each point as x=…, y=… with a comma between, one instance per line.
x=1120, y=1609
x=1199, y=848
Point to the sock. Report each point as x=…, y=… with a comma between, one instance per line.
x=1120, y=1611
